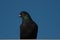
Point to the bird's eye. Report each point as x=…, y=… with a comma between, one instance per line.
x=23, y=14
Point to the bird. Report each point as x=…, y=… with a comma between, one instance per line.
x=28, y=28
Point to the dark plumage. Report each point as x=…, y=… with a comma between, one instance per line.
x=28, y=28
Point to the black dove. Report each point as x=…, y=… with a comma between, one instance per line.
x=28, y=28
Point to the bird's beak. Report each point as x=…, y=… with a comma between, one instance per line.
x=19, y=15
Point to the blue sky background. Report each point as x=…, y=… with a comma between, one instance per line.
x=46, y=13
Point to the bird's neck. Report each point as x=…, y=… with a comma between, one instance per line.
x=26, y=19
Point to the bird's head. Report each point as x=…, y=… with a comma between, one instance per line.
x=24, y=15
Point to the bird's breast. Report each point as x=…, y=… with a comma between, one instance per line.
x=26, y=23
